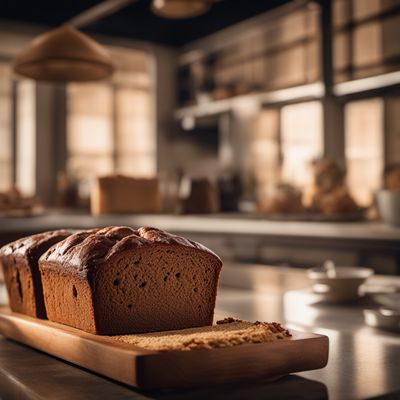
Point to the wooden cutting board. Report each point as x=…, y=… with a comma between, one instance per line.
x=152, y=369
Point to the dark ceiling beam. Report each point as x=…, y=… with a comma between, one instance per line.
x=98, y=12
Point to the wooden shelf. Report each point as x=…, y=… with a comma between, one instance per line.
x=369, y=83
x=309, y=91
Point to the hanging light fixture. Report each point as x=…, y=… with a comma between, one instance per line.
x=178, y=9
x=64, y=54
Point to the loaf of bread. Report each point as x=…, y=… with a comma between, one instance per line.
x=21, y=273
x=118, y=280
x=123, y=194
x=203, y=198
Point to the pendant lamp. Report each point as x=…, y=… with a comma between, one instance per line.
x=177, y=9
x=64, y=54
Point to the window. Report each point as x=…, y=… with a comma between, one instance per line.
x=25, y=130
x=90, y=130
x=392, y=128
x=364, y=147
x=109, y=125
x=26, y=137
x=365, y=38
x=135, y=144
x=264, y=149
x=302, y=141
x=284, y=143
x=5, y=127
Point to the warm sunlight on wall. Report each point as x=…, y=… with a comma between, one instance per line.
x=301, y=141
x=264, y=148
x=364, y=147
x=5, y=127
x=89, y=129
x=26, y=137
x=135, y=143
x=110, y=125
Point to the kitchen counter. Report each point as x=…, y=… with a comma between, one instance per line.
x=247, y=237
x=363, y=362
x=241, y=224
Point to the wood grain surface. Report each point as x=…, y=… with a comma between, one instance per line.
x=149, y=369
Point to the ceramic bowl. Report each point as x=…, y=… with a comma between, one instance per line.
x=343, y=286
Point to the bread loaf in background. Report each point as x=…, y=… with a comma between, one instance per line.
x=122, y=194
x=119, y=281
x=19, y=260
x=203, y=198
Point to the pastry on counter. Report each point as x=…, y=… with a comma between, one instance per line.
x=331, y=195
x=14, y=204
x=14, y=196
x=118, y=280
x=122, y=194
x=337, y=201
x=327, y=175
x=11, y=199
x=283, y=199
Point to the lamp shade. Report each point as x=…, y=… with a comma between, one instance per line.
x=178, y=9
x=64, y=54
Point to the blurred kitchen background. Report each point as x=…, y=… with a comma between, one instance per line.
x=268, y=130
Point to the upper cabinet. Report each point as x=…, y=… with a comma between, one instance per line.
x=273, y=51
x=366, y=38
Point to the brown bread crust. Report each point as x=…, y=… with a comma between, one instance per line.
x=20, y=265
x=83, y=251
x=119, y=280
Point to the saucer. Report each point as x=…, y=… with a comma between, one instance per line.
x=383, y=318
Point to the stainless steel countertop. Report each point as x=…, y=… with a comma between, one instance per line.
x=363, y=362
x=219, y=223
